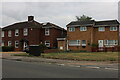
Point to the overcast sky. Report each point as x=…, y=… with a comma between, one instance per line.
x=60, y=13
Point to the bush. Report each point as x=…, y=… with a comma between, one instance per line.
x=7, y=48
x=42, y=47
x=94, y=45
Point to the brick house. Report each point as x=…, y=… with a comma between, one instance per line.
x=22, y=34
x=83, y=35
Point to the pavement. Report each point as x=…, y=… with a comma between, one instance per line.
x=110, y=65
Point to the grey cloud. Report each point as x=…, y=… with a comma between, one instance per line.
x=60, y=13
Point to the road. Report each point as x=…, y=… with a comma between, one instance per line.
x=19, y=69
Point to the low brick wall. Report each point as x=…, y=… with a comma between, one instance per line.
x=51, y=51
x=106, y=49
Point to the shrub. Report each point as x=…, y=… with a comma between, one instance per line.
x=42, y=47
x=7, y=48
x=94, y=45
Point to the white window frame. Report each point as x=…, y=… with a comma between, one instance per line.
x=9, y=43
x=71, y=29
x=111, y=42
x=83, y=28
x=2, y=34
x=74, y=42
x=112, y=28
x=25, y=31
x=16, y=32
x=2, y=44
x=47, y=43
x=101, y=28
x=84, y=44
x=47, y=31
x=9, y=33
x=16, y=43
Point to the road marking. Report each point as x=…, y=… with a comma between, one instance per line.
x=77, y=66
x=93, y=67
x=111, y=68
x=61, y=64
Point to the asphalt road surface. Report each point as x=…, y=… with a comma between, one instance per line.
x=19, y=69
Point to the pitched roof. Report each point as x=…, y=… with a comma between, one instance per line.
x=78, y=23
x=106, y=23
x=51, y=25
x=92, y=22
x=26, y=24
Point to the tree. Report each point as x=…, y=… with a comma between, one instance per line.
x=83, y=18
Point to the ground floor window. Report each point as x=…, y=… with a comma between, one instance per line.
x=47, y=43
x=2, y=44
x=111, y=42
x=83, y=42
x=9, y=43
x=74, y=42
x=16, y=44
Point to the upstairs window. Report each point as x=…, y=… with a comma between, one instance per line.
x=16, y=44
x=101, y=29
x=2, y=34
x=113, y=28
x=47, y=31
x=71, y=29
x=83, y=28
x=47, y=43
x=74, y=42
x=25, y=31
x=16, y=32
x=9, y=43
x=83, y=42
x=9, y=33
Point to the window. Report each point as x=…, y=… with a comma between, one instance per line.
x=83, y=42
x=25, y=31
x=47, y=31
x=2, y=44
x=3, y=35
x=74, y=42
x=71, y=29
x=113, y=28
x=9, y=33
x=83, y=28
x=47, y=43
x=9, y=43
x=110, y=42
x=101, y=29
x=16, y=44
x=16, y=32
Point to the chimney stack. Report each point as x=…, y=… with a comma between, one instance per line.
x=30, y=18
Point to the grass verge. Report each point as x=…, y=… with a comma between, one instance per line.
x=96, y=56
x=93, y=56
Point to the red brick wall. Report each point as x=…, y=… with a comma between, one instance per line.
x=35, y=37
x=92, y=35
x=80, y=35
x=54, y=34
x=105, y=35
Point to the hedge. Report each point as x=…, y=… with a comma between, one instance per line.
x=7, y=48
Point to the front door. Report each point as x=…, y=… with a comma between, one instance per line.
x=100, y=43
x=25, y=46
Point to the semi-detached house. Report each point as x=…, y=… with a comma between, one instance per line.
x=82, y=35
x=22, y=34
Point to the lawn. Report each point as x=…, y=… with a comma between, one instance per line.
x=94, y=56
